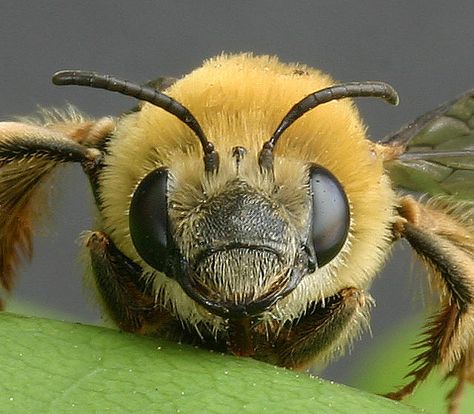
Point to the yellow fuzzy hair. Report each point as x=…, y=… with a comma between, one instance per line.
x=239, y=100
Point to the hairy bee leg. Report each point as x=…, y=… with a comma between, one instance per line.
x=127, y=297
x=29, y=153
x=440, y=233
x=455, y=395
x=464, y=373
x=321, y=331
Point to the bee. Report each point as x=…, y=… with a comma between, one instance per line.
x=244, y=209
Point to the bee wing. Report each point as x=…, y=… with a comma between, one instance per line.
x=29, y=153
x=435, y=153
x=162, y=83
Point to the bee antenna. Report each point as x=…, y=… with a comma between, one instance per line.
x=144, y=93
x=345, y=90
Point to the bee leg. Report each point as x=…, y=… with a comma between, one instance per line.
x=127, y=297
x=455, y=396
x=321, y=332
x=30, y=152
x=440, y=232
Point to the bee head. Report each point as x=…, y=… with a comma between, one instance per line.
x=238, y=249
x=236, y=233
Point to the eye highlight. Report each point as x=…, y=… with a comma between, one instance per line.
x=330, y=217
x=148, y=218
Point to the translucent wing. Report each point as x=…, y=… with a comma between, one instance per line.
x=162, y=83
x=435, y=153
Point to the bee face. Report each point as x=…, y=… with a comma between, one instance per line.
x=241, y=249
x=242, y=241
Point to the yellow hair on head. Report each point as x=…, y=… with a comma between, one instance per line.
x=239, y=100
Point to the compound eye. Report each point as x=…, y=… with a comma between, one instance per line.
x=330, y=215
x=148, y=218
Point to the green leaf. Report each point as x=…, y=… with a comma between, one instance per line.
x=388, y=363
x=57, y=367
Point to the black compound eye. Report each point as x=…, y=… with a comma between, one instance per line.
x=148, y=218
x=330, y=216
